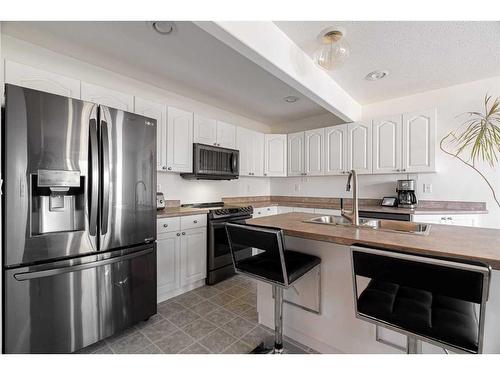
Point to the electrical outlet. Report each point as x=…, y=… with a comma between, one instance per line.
x=427, y=188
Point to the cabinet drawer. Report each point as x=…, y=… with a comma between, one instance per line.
x=193, y=221
x=169, y=224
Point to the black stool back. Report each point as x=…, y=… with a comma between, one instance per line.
x=412, y=294
x=268, y=259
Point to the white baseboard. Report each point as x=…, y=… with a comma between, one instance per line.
x=163, y=296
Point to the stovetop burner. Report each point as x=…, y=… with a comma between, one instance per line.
x=218, y=210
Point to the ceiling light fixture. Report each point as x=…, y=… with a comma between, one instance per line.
x=334, y=48
x=162, y=27
x=376, y=75
x=291, y=99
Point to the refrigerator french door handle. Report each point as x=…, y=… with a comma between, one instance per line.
x=94, y=177
x=79, y=267
x=104, y=177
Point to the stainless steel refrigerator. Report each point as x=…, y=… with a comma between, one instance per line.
x=79, y=221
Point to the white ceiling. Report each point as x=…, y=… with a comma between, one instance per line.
x=190, y=62
x=420, y=56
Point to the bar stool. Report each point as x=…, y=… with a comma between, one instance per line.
x=427, y=299
x=269, y=262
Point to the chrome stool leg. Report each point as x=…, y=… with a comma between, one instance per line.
x=413, y=346
x=277, y=348
x=278, y=320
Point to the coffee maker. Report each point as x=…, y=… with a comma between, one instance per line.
x=406, y=193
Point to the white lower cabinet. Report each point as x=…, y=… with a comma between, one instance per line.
x=193, y=257
x=181, y=255
x=265, y=211
x=462, y=220
x=167, y=264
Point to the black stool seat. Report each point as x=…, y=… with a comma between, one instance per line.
x=297, y=265
x=449, y=320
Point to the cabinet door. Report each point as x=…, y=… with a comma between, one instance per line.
x=159, y=113
x=258, y=154
x=419, y=137
x=359, y=149
x=193, y=256
x=314, y=155
x=387, y=140
x=179, y=140
x=36, y=79
x=296, y=154
x=226, y=135
x=108, y=97
x=167, y=262
x=336, y=150
x=275, y=155
x=205, y=130
x=244, y=145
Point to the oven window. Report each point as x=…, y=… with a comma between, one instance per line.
x=221, y=245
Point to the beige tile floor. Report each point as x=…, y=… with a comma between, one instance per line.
x=211, y=319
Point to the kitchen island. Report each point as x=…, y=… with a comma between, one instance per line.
x=335, y=329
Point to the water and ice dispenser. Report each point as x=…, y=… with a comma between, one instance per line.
x=57, y=201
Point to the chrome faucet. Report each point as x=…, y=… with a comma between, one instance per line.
x=352, y=216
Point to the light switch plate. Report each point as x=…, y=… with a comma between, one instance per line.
x=427, y=188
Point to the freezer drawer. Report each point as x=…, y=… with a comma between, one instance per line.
x=64, y=306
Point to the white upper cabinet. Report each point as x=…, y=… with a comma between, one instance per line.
x=251, y=146
x=244, y=145
x=159, y=113
x=314, y=152
x=336, y=150
x=108, y=97
x=296, y=154
x=33, y=78
x=226, y=135
x=359, y=150
x=387, y=142
x=205, y=130
x=258, y=154
x=179, y=140
x=214, y=133
x=419, y=138
x=275, y=163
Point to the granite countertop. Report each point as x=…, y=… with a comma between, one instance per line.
x=179, y=211
x=471, y=243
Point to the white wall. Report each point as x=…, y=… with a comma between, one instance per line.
x=453, y=181
x=194, y=191
x=172, y=185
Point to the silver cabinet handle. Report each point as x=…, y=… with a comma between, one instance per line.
x=449, y=218
x=195, y=221
x=169, y=168
x=165, y=225
x=265, y=174
x=269, y=209
x=183, y=233
x=178, y=234
x=79, y=267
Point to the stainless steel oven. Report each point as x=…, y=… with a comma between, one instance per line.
x=220, y=264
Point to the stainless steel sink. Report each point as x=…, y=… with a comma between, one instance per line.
x=398, y=226
x=335, y=220
x=376, y=224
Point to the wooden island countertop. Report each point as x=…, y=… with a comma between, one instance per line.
x=470, y=243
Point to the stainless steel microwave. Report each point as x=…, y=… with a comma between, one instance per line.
x=214, y=163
